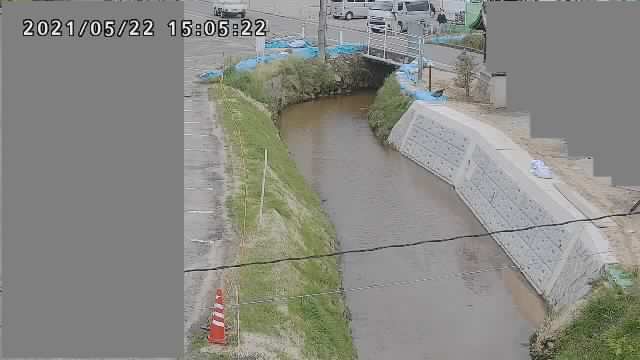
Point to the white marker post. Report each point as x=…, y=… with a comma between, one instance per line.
x=264, y=178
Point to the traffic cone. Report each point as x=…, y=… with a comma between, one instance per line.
x=216, y=329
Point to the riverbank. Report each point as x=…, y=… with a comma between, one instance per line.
x=293, y=224
x=605, y=327
x=295, y=80
x=387, y=108
x=581, y=337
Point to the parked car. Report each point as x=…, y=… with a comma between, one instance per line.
x=349, y=9
x=229, y=8
x=396, y=15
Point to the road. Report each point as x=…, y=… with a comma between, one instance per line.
x=206, y=229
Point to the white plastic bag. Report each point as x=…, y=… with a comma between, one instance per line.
x=539, y=169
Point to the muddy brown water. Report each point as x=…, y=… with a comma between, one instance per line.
x=375, y=196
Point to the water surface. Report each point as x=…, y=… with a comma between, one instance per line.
x=375, y=196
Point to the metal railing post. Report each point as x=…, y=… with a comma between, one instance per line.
x=421, y=58
x=384, y=45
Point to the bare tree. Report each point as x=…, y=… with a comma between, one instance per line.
x=322, y=33
x=464, y=72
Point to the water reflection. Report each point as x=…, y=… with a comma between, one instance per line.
x=375, y=197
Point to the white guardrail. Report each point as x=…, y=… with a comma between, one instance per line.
x=385, y=44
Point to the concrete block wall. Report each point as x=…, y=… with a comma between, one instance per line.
x=490, y=173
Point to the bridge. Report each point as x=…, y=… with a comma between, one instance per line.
x=395, y=48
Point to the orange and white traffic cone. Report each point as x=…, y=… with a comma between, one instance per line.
x=216, y=329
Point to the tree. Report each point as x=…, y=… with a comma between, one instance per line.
x=464, y=72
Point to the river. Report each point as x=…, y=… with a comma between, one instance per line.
x=375, y=196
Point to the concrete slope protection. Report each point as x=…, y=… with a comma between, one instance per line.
x=491, y=175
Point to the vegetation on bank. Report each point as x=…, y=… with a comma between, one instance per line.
x=294, y=224
x=472, y=41
x=296, y=80
x=387, y=108
x=606, y=328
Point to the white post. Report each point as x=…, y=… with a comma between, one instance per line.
x=498, y=90
x=238, y=316
x=340, y=37
x=264, y=178
x=302, y=30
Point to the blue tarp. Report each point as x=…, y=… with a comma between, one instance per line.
x=408, y=87
x=210, y=75
x=426, y=96
x=298, y=44
x=344, y=49
x=305, y=53
x=286, y=43
x=250, y=64
x=409, y=68
x=445, y=38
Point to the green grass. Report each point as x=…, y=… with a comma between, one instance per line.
x=473, y=41
x=295, y=80
x=387, y=108
x=295, y=225
x=608, y=328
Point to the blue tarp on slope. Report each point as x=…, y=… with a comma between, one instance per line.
x=286, y=43
x=344, y=49
x=445, y=38
x=210, y=75
x=305, y=53
x=407, y=80
x=250, y=64
x=426, y=96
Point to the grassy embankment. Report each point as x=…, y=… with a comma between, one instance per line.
x=295, y=80
x=473, y=41
x=387, y=108
x=606, y=327
x=294, y=223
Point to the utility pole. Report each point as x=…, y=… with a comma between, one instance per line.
x=484, y=46
x=322, y=33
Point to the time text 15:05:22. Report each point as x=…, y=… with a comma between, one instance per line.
x=218, y=28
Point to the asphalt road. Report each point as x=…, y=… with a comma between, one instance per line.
x=206, y=229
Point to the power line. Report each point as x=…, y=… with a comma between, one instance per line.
x=371, y=286
x=404, y=245
x=396, y=283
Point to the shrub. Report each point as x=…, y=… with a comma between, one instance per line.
x=387, y=108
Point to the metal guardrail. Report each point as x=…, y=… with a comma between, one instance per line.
x=388, y=45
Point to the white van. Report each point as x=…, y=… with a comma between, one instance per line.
x=397, y=14
x=350, y=9
x=228, y=8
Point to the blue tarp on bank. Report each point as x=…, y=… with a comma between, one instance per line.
x=407, y=77
x=287, y=43
x=443, y=39
x=210, y=75
x=305, y=53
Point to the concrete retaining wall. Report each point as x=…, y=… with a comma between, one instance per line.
x=491, y=174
